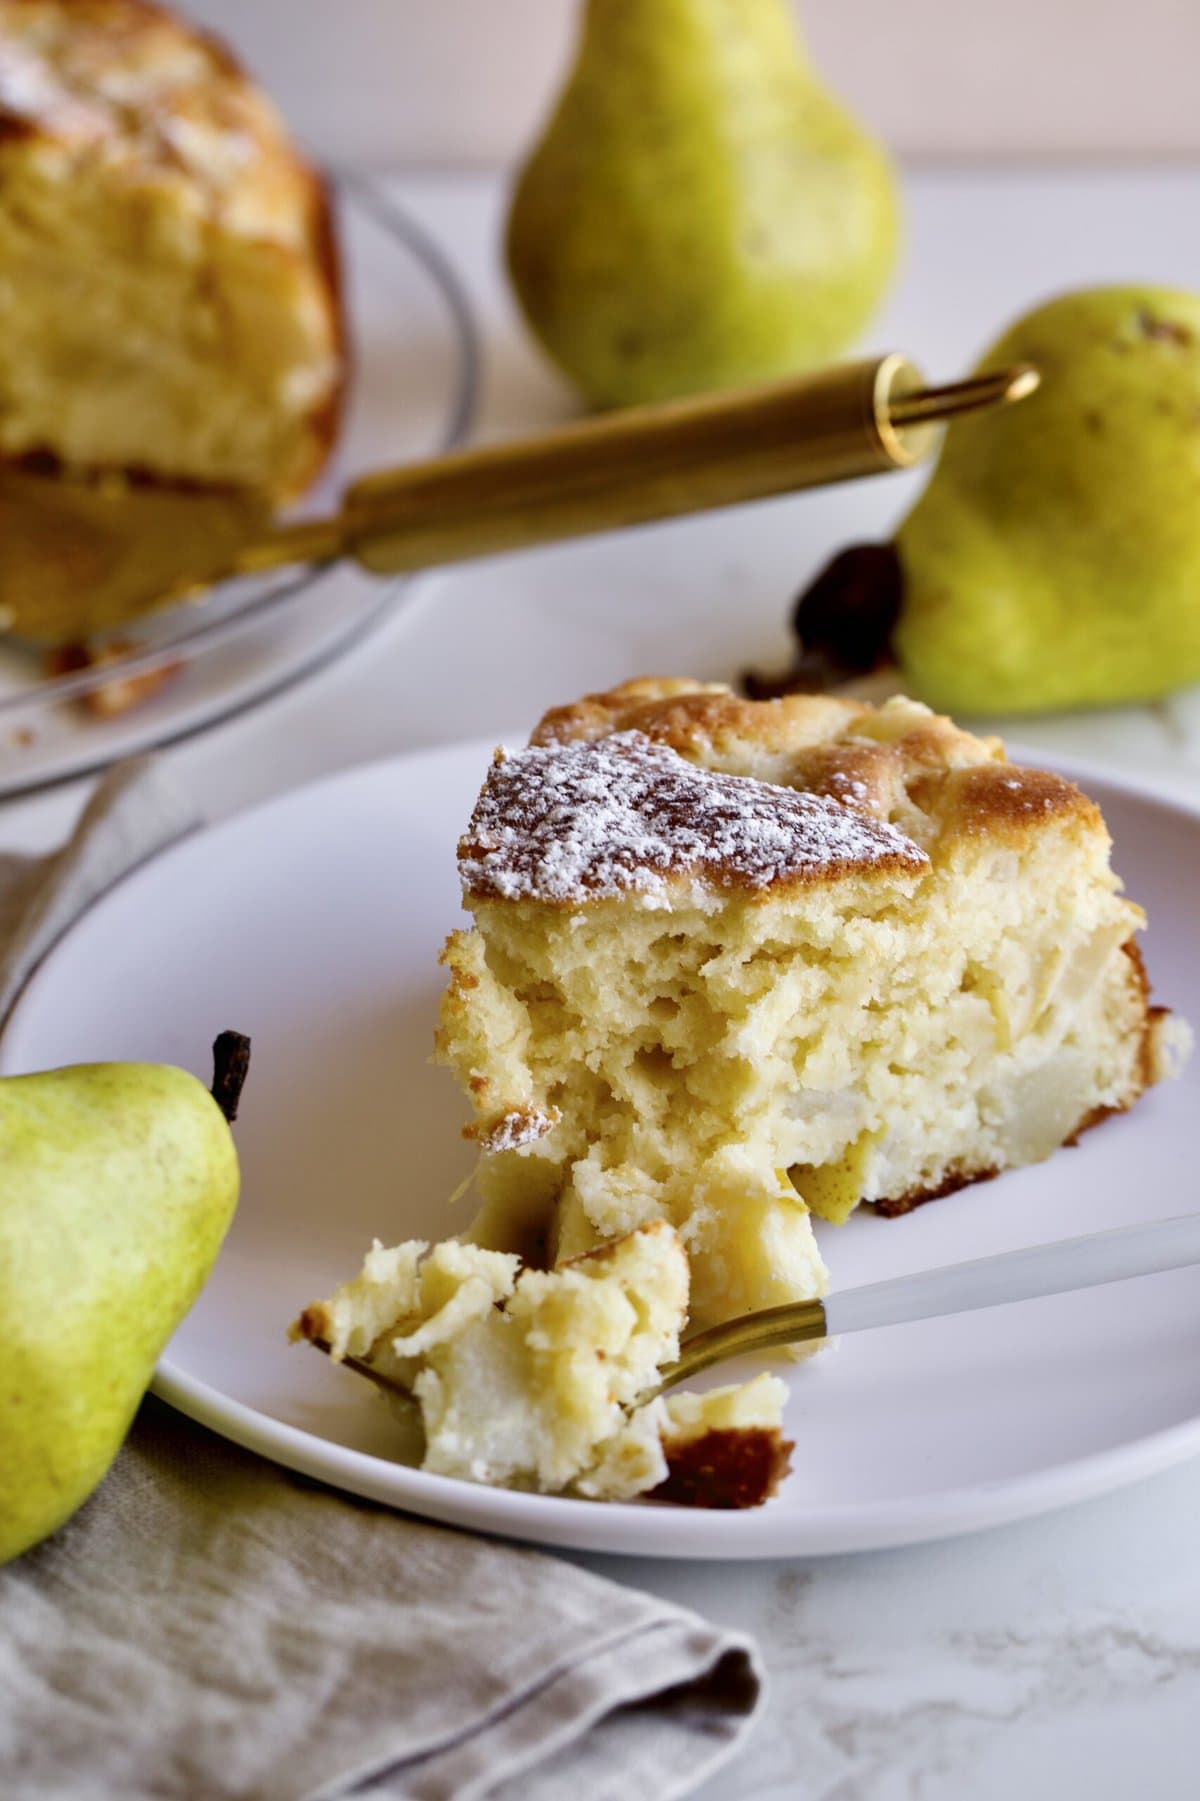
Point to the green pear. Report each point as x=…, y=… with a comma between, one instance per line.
x=117, y=1184
x=1054, y=558
x=699, y=213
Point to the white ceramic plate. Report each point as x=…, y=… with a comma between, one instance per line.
x=314, y=924
x=412, y=394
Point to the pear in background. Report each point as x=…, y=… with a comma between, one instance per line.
x=1054, y=558
x=117, y=1184
x=700, y=213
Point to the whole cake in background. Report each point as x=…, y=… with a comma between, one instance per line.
x=169, y=312
x=735, y=963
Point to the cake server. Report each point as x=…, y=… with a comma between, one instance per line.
x=633, y=466
x=1026, y=1275
x=598, y=474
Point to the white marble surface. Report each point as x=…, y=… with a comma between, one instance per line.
x=1052, y=1659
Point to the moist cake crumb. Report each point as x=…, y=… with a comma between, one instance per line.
x=774, y=960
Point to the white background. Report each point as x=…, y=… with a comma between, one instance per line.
x=464, y=81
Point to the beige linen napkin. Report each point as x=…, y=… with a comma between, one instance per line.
x=212, y=1626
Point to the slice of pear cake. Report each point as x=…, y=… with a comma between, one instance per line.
x=531, y=1378
x=734, y=961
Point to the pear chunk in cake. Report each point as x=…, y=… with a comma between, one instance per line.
x=734, y=963
x=531, y=1378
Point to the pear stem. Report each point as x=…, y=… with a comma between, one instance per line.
x=231, y=1065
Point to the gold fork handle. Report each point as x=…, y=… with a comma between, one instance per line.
x=800, y=1322
x=629, y=467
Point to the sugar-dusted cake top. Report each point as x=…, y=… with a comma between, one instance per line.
x=127, y=83
x=590, y=820
x=897, y=763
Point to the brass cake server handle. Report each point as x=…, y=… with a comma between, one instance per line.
x=1047, y=1269
x=631, y=467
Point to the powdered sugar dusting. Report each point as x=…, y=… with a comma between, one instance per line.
x=623, y=815
x=522, y=1125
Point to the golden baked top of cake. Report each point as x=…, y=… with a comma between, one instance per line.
x=590, y=820
x=158, y=101
x=897, y=763
x=170, y=312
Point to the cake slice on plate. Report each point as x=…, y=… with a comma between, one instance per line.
x=735, y=963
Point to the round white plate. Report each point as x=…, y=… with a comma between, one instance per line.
x=314, y=924
x=412, y=394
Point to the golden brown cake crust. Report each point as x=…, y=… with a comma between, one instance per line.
x=726, y=1467
x=156, y=98
x=895, y=1206
x=1004, y=800
x=168, y=110
x=313, y=1324
x=326, y=419
x=874, y=759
